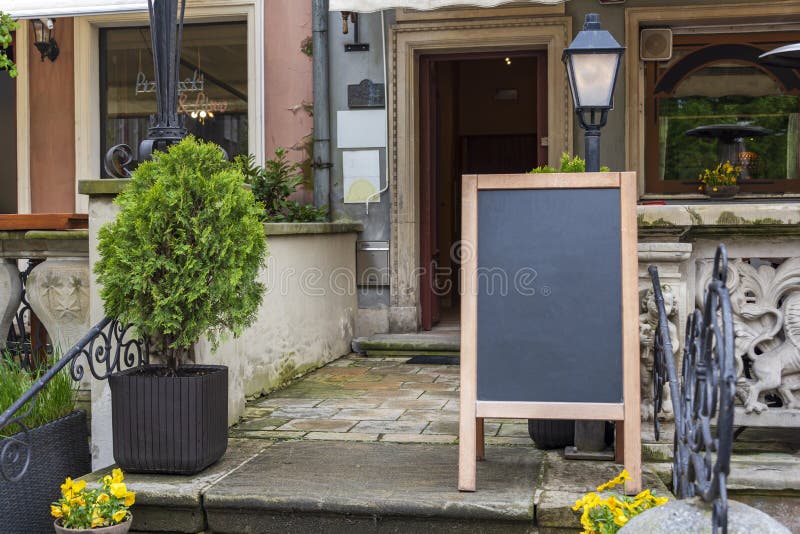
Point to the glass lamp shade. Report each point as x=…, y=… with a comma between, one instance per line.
x=592, y=62
x=41, y=33
x=592, y=78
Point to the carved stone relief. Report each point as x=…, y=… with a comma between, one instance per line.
x=765, y=297
x=648, y=325
x=58, y=290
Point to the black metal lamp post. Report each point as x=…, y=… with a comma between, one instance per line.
x=592, y=62
x=166, y=127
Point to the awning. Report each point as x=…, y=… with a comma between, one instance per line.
x=33, y=9
x=367, y=6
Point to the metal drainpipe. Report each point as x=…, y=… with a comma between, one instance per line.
x=322, y=134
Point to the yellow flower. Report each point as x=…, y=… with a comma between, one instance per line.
x=715, y=189
x=118, y=490
x=106, y=480
x=103, y=498
x=55, y=511
x=66, y=488
x=130, y=498
x=97, y=518
x=77, y=501
x=620, y=518
x=65, y=509
x=117, y=476
x=119, y=516
x=615, y=481
x=78, y=486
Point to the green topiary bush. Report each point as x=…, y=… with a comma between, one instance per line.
x=182, y=258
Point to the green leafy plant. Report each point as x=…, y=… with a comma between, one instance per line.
x=6, y=27
x=609, y=512
x=182, y=258
x=568, y=164
x=56, y=400
x=273, y=184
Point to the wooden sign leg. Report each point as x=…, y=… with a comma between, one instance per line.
x=632, y=444
x=466, y=448
x=480, y=440
x=619, y=442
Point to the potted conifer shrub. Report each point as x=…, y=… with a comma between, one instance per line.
x=180, y=262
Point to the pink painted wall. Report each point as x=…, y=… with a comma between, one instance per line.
x=287, y=76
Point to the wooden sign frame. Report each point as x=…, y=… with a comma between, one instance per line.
x=626, y=414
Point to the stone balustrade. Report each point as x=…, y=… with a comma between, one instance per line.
x=56, y=288
x=763, y=241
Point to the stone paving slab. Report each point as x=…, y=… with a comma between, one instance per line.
x=290, y=484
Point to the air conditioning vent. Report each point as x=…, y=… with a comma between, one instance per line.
x=656, y=44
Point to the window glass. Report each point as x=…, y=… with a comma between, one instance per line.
x=713, y=102
x=212, y=97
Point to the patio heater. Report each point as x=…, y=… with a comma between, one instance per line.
x=592, y=61
x=166, y=127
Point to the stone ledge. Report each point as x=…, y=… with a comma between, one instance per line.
x=776, y=218
x=309, y=228
x=106, y=186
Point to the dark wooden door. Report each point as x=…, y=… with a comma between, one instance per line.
x=429, y=240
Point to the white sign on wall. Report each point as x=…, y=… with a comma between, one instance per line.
x=361, y=170
x=361, y=129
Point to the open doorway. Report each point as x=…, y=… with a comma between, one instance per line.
x=480, y=113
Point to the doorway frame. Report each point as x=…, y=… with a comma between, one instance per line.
x=409, y=41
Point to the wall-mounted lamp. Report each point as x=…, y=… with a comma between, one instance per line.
x=43, y=38
x=356, y=45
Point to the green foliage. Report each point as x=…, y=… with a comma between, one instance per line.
x=273, y=184
x=56, y=400
x=6, y=27
x=182, y=258
x=568, y=164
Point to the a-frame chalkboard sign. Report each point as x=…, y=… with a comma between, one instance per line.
x=549, y=306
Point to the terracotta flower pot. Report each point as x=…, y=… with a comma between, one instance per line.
x=723, y=191
x=119, y=528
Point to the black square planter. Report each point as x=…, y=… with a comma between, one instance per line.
x=175, y=425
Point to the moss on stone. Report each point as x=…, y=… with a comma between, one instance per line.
x=660, y=222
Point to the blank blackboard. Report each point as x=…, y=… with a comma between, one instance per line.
x=549, y=307
x=549, y=296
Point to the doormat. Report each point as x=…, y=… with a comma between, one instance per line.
x=434, y=360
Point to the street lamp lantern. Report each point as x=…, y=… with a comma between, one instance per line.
x=592, y=61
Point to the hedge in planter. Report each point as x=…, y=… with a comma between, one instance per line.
x=180, y=262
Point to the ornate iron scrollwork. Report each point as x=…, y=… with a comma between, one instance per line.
x=704, y=406
x=110, y=351
x=117, y=160
x=108, y=347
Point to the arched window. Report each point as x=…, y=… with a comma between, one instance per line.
x=745, y=112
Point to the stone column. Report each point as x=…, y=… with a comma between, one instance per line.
x=10, y=296
x=668, y=258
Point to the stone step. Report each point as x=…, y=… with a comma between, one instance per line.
x=311, y=486
x=407, y=345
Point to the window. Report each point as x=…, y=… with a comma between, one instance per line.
x=714, y=102
x=212, y=94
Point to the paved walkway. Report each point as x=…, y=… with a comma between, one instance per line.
x=371, y=399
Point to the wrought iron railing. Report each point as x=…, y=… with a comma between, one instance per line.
x=107, y=348
x=703, y=401
x=26, y=342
